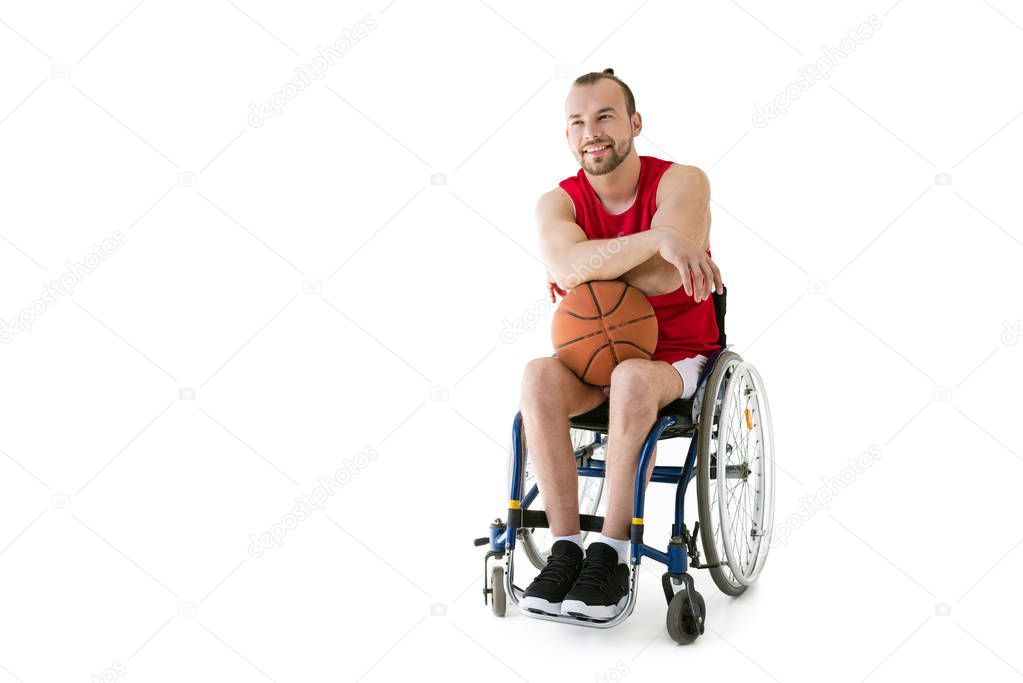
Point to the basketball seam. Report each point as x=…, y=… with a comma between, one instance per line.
x=629, y=322
x=592, y=356
x=607, y=333
x=580, y=317
x=613, y=309
x=585, y=336
x=618, y=303
x=630, y=343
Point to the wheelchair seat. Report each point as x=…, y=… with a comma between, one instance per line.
x=596, y=420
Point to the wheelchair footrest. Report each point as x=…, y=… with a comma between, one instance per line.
x=569, y=618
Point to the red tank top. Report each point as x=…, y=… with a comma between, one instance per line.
x=685, y=328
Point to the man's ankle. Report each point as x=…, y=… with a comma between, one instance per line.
x=576, y=538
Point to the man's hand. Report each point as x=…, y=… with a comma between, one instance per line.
x=552, y=287
x=700, y=275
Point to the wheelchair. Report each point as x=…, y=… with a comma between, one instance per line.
x=731, y=455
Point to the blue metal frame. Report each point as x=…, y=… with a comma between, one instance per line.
x=675, y=558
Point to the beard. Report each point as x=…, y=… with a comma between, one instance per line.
x=611, y=159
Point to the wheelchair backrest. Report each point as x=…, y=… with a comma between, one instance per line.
x=719, y=313
x=708, y=367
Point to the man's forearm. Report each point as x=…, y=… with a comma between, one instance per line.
x=608, y=259
x=654, y=277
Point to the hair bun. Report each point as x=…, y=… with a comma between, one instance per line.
x=610, y=72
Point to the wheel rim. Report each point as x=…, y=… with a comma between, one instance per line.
x=710, y=519
x=539, y=541
x=743, y=490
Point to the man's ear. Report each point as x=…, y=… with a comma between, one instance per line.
x=637, y=124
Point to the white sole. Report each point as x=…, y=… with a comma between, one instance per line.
x=539, y=604
x=580, y=608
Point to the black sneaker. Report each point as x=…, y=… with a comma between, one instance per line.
x=549, y=587
x=602, y=588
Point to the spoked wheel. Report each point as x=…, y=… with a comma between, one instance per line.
x=537, y=542
x=735, y=474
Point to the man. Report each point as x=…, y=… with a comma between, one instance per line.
x=657, y=213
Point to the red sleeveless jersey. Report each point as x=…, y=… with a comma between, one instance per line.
x=684, y=328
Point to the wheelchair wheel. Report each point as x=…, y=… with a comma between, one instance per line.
x=735, y=474
x=683, y=626
x=498, y=599
x=537, y=542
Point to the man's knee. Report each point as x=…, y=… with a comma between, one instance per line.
x=630, y=384
x=542, y=380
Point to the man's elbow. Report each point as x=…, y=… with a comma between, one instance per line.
x=573, y=275
x=568, y=279
x=565, y=275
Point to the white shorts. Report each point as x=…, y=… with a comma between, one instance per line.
x=689, y=369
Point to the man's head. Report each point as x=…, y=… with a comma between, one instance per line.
x=601, y=111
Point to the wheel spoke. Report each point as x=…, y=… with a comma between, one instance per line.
x=741, y=450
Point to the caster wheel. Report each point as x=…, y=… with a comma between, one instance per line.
x=498, y=599
x=683, y=626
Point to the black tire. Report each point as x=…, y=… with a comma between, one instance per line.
x=683, y=625
x=709, y=414
x=498, y=599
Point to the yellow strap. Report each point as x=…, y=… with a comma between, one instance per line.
x=513, y=504
x=637, y=520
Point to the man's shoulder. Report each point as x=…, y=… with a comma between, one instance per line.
x=556, y=195
x=556, y=200
x=677, y=176
x=572, y=180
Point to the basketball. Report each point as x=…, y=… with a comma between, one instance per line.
x=599, y=324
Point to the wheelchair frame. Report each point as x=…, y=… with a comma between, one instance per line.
x=682, y=551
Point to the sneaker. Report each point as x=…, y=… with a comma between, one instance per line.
x=544, y=595
x=602, y=588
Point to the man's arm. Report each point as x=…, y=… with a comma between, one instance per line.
x=684, y=209
x=572, y=259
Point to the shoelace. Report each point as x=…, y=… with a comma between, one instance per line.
x=559, y=568
x=596, y=573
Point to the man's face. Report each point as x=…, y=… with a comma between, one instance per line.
x=601, y=122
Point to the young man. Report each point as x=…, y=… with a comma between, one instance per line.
x=657, y=212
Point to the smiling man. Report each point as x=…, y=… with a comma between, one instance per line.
x=657, y=212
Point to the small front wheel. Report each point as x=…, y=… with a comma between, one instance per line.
x=683, y=625
x=498, y=599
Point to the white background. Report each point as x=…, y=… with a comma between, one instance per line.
x=861, y=286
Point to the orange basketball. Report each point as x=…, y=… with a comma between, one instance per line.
x=601, y=323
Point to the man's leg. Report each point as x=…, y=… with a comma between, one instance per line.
x=639, y=389
x=551, y=393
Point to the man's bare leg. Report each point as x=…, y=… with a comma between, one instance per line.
x=551, y=393
x=639, y=389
